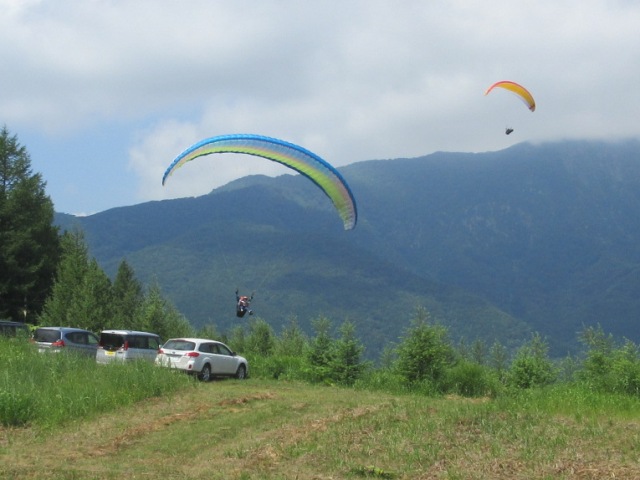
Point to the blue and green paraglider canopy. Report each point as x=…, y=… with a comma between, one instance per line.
x=323, y=174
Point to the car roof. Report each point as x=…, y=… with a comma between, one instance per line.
x=196, y=340
x=130, y=332
x=64, y=329
x=12, y=323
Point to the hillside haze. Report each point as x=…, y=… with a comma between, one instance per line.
x=494, y=245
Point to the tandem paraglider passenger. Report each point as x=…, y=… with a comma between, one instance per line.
x=242, y=305
x=508, y=131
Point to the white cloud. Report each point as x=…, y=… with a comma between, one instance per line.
x=349, y=80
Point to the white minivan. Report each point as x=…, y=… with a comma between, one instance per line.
x=127, y=345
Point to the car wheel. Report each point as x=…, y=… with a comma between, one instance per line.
x=241, y=373
x=205, y=373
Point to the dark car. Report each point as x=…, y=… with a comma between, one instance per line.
x=66, y=339
x=13, y=329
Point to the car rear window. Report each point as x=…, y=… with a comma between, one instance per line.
x=111, y=341
x=46, y=336
x=182, y=345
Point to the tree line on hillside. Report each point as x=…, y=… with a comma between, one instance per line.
x=426, y=361
x=83, y=296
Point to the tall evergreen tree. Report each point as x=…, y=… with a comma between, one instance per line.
x=81, y=294
x=425, y=351
x=321, y=351
x=160, y=316
x=261, y=339
x=499, y=359
x=347, y=363
x=29, y=243
x=93, y=305
x=292, y=339
x=128, y=296
x=70, y=274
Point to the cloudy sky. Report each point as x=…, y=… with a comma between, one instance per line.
x=104, y=94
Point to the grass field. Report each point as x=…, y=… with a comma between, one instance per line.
x=263, y=429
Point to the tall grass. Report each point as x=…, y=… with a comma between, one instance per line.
x=572, y=399
x=54, y=388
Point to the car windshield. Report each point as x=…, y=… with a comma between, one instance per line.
x=182, y=345
x=45, y=335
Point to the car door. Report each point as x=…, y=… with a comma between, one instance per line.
x=137, y=347
x=85, y=343
x=143, y=347
x=224, y=360
x=207, y=355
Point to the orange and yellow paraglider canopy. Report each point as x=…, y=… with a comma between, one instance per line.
x=516, y=89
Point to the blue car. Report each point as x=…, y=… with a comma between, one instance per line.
x=65, y=339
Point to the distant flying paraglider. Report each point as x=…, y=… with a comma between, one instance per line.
x=242, y=305
x=324, y=175
x=516, y=89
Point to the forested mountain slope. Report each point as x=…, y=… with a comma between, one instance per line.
x=495, y=245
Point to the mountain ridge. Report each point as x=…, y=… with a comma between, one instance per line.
x=494, y=244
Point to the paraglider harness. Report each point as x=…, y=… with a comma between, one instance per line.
x=242, y=305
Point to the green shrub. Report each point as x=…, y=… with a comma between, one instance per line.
x=425, y=352
x=607, y=367
x=278, y=367
x=531, y=366
x=471, y=379
x=625, y=369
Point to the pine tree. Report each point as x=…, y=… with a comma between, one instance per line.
x=81, y=294
x=128, y=296
x=347, y=363
x=159, y=316
x=292, y=339
x=261, y=339
x=29, y=243
x=92, y=308
x=321, y=348
x=499, y=359
x=425, y=351
x=321, y=351
x=531, y=366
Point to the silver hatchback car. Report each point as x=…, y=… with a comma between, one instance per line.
x=65, y=339
x=116, y=345
x=202, y=357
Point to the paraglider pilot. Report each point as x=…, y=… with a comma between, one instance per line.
x=242, y=305
x=508, y=130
